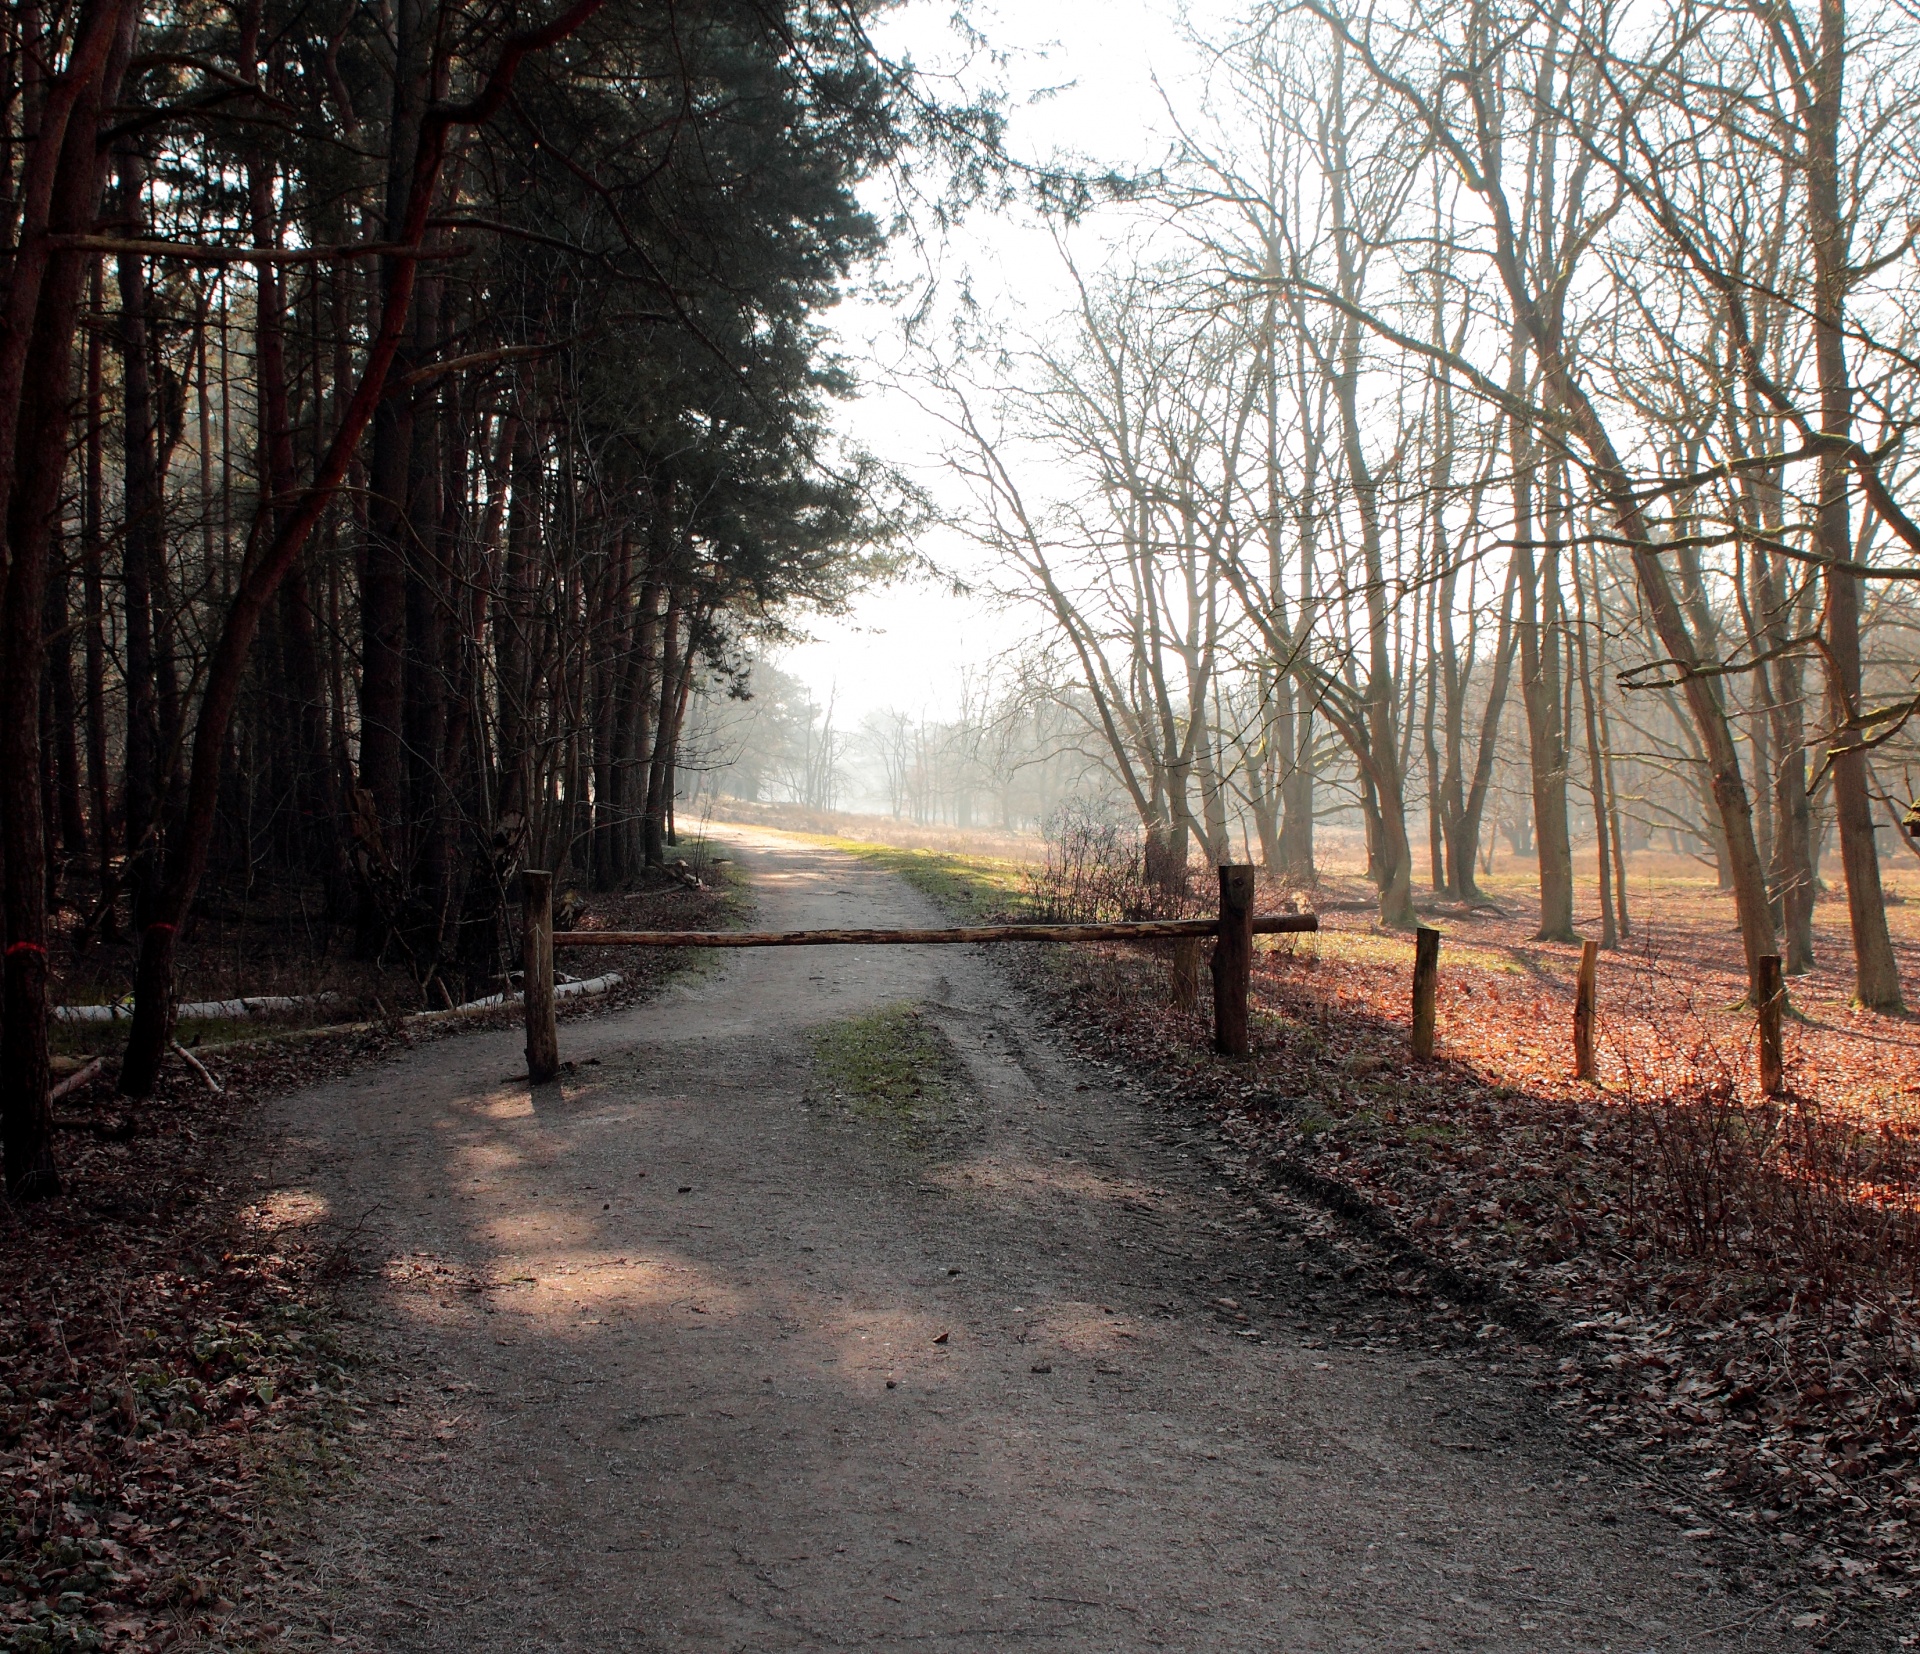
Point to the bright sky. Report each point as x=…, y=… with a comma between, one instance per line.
x=906, y=647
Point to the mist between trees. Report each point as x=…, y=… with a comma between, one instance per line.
x=400, y=406
x=1484, y=385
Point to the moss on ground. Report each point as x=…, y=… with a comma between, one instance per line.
x=892, y=1062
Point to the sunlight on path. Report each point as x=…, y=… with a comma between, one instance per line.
x=696, y=1354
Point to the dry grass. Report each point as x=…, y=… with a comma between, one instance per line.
x=885, y=831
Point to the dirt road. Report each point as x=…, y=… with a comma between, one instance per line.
x=690, y=1355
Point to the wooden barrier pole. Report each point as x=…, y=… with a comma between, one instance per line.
x=543, y=1036
x=1132, y=930
x=1583, y=994
x=1233, y=962
x=1426, y=979
x=1773, y=996
x=1184, y=974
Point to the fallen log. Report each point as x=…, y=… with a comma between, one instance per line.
x=73, y=1082
x=472, y=1008
x=492, y=1002
x=199, y=1010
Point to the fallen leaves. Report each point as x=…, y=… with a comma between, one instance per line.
x=163, y=1360
x=171, y=1373
x=1728, y=1283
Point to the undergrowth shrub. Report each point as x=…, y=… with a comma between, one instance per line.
x=1095, y=873
x=1779, y=1187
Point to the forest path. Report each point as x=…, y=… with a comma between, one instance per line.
x=645, y=1328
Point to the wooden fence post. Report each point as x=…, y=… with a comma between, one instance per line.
x=1233, y=962
x=543, y=1037
x=1773, y=994
x=1583, y=995
x=1426, y=979
x=1184, y=974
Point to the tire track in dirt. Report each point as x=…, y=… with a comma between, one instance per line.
x=682, y=1358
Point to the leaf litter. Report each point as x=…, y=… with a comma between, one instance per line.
x=1713, y=1288
x=177, y=1372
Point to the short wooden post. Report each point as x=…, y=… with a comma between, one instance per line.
x=1184, y=974
x=543, y=1037
x=1426, y=979
x=1583, y=995
x=1773, y=997
x=1233, y=962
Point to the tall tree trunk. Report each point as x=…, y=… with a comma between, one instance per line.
x=139, y=551
x=94, y=599
x=513, y=633
x=1779, y=682
x=1213, y=799
x=1541, y=692
x=1590, y=693
x=36, y=371
x=496, y=838
x=1464, y=842
x=64, y=708
x=1447, y=784
x=1436, y=826
x=432, y=494
x=638, y=696
x=383, y=581
x=654, y=822
x=1876, y=980
x=615, y=644
x=1876, y=977
x=1263, y=783
x=1391, y=860
x=1793, y=874
x=1297, y=801
x=300, y=691
x=1393, y=853
x=1383, y=798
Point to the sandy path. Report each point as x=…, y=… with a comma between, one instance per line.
x=667, y=1369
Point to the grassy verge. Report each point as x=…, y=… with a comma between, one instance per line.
x=1362, y=947
x=969, y=887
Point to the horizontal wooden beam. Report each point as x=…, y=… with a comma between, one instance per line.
x=1138, y=930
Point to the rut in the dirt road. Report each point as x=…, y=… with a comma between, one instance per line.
x=698, y=1349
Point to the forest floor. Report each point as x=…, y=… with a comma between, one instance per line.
x=172, y=1367
x=1005, y=1313
x=836, y=1299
